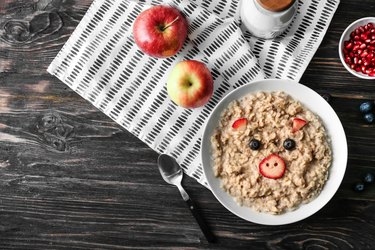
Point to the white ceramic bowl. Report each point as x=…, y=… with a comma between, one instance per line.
x=312, y=101
x=346, y=36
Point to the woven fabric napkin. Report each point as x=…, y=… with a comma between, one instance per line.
x=101, y=62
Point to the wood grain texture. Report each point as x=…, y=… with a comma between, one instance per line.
x=70, y=178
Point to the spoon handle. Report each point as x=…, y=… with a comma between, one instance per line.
x=202, y=224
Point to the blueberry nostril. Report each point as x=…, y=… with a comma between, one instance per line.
x=275, y=164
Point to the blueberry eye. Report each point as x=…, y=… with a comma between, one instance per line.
x=254, y=144
x=289, y=144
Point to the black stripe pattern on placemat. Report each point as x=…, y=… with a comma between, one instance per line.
x=101, y=62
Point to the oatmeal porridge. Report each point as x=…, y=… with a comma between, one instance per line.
x=270, y=152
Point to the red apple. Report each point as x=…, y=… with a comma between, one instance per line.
x=190, y=84
x=160, y=31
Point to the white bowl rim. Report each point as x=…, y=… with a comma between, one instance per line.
x=347, y=31
x=288, y=217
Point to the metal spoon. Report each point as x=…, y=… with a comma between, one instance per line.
x=172, y=173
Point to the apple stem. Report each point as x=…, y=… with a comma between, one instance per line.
x=171, y=23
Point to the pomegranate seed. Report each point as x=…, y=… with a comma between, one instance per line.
x=357, y=32
x=356, y=47
x=367, y=41
x=361, y=29
x=372, y=37
x=355, y=60
x=372, y=30
x=352, y=34
x=368, y=71
x=364, y=54
x=370, y=47
x=349, y=46
x=370, y=25
x=357, y=42
x=366, y=63
x=358, y=69
x=357, y=38
x=363, y=46
x=363, y=37
x=363, y=69
x=370, y=56
x=359, y=62
x=359, y=52
x=372, y=73
x=352, y=66
x=351, y=54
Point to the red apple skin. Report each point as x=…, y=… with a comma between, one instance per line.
x=190, y=84
x=160, y=31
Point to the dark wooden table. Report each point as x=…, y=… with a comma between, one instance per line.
x=72, y=178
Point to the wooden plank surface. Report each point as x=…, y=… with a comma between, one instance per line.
x=72, y=178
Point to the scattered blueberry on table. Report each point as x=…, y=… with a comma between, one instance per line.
x=367, y=109
x=369, y=118
x=326, y=97
x=359, y=186
x=368, y=178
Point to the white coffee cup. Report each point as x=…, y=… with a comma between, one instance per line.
x=265, y=20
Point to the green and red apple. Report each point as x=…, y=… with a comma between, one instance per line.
x=160, y=31
x=190, y=84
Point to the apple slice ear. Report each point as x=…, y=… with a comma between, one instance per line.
x=240, y=124
x=298, y=123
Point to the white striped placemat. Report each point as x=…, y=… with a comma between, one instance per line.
x=101, y=62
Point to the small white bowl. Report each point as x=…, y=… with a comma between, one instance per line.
x=346, y=36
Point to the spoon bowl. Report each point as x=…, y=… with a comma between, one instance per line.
x=169, y=169
x=172, y=173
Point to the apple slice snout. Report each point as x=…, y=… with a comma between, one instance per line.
x=272, y=167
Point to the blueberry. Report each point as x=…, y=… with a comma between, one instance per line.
x=366, y=107
x=358, y=186
x=254, y=144
x=369, y=117
x=368, y=178
x=289, y=144
x=327, y=97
